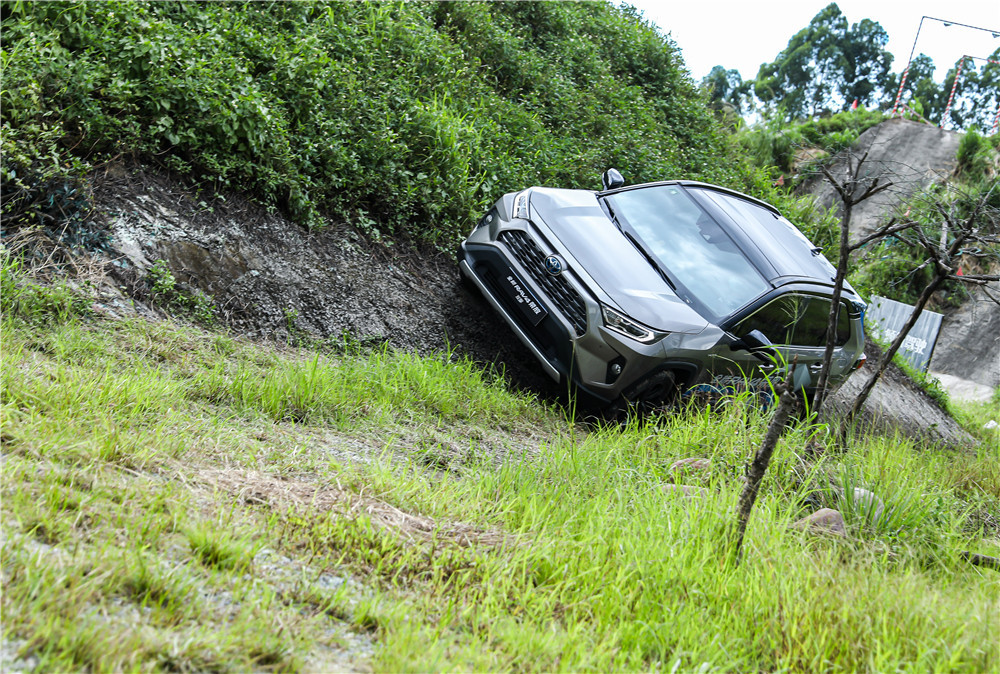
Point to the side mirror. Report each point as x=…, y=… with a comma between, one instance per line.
x=757, y=343
x=612, y=179
x=755, y=339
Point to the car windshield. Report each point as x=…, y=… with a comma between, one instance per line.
x=694, y=250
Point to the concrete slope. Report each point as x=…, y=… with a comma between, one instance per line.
x=909, y=154
x=969, y=344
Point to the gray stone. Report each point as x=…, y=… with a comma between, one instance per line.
x=690, y=465
x=868, y=503
x=823, y=521
x=684, y=490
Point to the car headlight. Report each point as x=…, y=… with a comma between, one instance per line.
x=623, y=325
x=521, y=205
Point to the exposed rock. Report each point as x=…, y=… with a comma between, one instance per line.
x=824, y=521
x=990, y=425
x=867, y=503
x=909, y=154
x=270, y=277
x=968, y=346
x=684, y=490
x=896, y=403
x=963, y=389
x=914, y=156
x=692, y=464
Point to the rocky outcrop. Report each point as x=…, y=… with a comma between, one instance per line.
x=914, y=156
x=969, y=344
x=909, y=154
x=897, y=403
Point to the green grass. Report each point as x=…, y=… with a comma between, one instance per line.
x=180, y=499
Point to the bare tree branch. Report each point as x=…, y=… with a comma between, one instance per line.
x=890, y=228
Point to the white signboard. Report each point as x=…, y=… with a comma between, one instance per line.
x=885, y=318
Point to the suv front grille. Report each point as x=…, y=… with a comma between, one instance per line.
x=558, y=289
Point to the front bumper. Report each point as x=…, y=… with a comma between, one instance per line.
x=559, y=320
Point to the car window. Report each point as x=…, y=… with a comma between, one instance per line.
x=692, y=247
x=780, y=241
x=796, y=320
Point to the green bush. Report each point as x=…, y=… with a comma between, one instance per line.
x=772, y=143
x=408, y=118
x=24, y=300
x=974, y=157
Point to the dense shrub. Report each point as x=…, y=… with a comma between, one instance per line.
x=975, y=157
x=774, y=144
x=405, y=117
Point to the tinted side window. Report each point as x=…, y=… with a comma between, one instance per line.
x=797, y=320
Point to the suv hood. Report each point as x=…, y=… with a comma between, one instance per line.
x=602, y=252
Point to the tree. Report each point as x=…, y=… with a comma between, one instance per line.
x=976, y=94
x=920, y=91
x=827, y=66
x=986, y=97
x=856, y=186
x=867, y=77
x=726, y=89
x=968, y=226
x=762, y=458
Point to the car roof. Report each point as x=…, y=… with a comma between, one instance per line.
x=690, y=183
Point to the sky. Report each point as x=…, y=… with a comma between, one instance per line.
x=742, y=34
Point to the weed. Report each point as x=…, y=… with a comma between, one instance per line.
x=220, y=549
x=26, y=300
x=189, y=450
x=195, y=304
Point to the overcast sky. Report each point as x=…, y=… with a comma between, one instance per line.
x=742, y=34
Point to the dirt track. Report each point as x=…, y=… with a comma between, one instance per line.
x=271, y=280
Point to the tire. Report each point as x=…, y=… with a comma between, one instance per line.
x=649, y=395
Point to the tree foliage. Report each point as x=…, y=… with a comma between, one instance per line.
x=727, y=90
x=827, y=66
x=976, y=95
x=408, y=116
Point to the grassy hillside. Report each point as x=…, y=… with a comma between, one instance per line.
x=174, y=499
x=180, y=499
x=405, y=118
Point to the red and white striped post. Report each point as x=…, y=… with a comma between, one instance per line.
x=951, y=96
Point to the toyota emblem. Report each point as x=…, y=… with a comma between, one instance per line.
x=554, y=265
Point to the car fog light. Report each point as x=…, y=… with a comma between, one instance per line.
x=616, y=369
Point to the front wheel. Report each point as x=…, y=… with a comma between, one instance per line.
x=649, y=395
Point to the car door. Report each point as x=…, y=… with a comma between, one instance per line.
x=795, y=323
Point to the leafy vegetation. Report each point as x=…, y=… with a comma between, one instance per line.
x=162, y=510
x=783, y=147
x=828, y=66
x=897, y=267
x=406, y=118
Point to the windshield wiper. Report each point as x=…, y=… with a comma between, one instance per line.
x=649, y=257
x=639, y=246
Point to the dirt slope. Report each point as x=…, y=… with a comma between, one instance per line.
x=270, y=278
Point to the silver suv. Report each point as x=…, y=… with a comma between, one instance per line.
x=635, y=293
